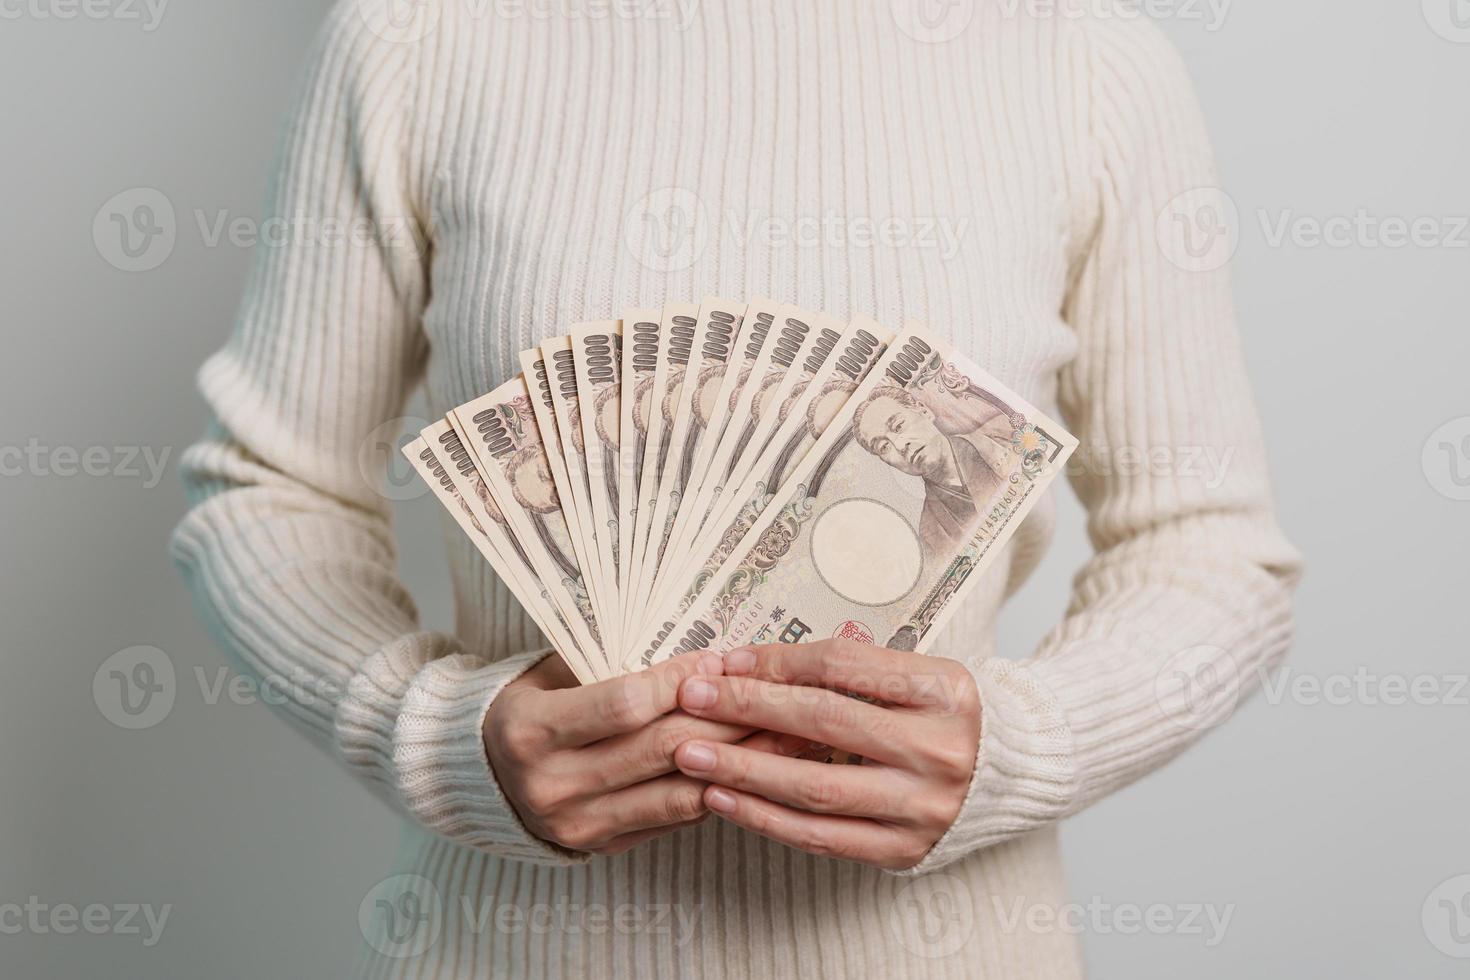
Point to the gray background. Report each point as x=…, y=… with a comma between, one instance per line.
x=1323, y=826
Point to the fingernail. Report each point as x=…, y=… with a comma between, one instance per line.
x=739, y=662
x=712, y=664
x=698, y=694
x=720, y=801
x=693, y=755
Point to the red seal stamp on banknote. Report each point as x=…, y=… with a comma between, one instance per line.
x=853, y=630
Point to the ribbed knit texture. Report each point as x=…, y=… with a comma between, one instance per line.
x=516, y=150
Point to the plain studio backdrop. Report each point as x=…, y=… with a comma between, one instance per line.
x=1322, y=832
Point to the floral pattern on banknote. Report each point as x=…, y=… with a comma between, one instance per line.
x=732, y=536
x=773, y=545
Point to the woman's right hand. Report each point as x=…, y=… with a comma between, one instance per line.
x=591, y=768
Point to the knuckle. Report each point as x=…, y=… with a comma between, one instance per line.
x=656, y=756
x=888, y=727
x=665, y=740
x=683, y=805
x=964, y=695
x=735, y=767
x=517, y=734
x=935, y=813
x=669, y=738
x=832, y=714
x=759, y=819
x=618, y=707
x=544, y=797
x=575, y=832
x=823, y=795
x=791, y=665
x=951, y=758
x=837, y=658
x=655, y=751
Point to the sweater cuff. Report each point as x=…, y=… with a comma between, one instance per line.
x=1025, y=772
x=443, y=774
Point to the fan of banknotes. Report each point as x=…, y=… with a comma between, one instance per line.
x=706, y=476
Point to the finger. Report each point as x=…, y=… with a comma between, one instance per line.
x=663, y=802
x=588, y=714
x=627, y=842
x=814, y=713
x=858, y=791
x=779, y=743
x=623, y=760
x=845, y=838
x=890, y=676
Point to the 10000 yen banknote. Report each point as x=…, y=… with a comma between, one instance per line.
x=501, y=433
x=770, y=407
x=715, y=330
x=641, y=339
x=566, y=405
x=726, y=368
x=444, y=464
x=907, y=496
x=537, y=377
x=597, y=350
x=751, y=358
x=677, y=324
x=705, y=476
x=804, y=417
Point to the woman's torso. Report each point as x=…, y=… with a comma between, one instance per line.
x=816, y=153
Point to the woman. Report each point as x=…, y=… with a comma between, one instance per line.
x=525, y=167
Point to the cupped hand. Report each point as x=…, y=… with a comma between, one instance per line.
x=591, y=768
x=917, y=732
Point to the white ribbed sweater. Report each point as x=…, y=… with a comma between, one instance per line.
x=522, y=151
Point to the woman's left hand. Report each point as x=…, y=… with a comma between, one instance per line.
x=918, y=733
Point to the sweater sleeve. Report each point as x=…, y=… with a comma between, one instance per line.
x=1186, y=602
x=287, y=546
